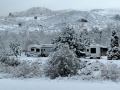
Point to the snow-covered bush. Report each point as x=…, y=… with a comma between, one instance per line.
x=9, y=61
x=111, y=72
x=24, y=69
x=62, y=63
x=91, y=70
x=35, y=17
x=99, y=71
x=28, y=70
x=117, y=17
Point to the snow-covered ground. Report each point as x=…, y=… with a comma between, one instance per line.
x=44, y=59
x=103, y=60
x=44, y=84
x=59, y=83
x=32, y=59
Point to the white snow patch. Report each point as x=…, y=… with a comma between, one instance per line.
x=44, y=84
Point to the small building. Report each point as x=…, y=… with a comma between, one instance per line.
x=96, y=51
x=39, y=50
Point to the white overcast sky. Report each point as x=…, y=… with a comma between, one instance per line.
x=7, y=6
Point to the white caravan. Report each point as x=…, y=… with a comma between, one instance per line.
x=93, y=51
x=39, y=50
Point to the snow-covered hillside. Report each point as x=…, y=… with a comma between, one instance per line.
x=49, y=20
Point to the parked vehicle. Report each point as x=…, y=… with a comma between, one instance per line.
x=96, y=51
x=39, y=50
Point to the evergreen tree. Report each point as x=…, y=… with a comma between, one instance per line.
x=113, y=51
x=70, y=38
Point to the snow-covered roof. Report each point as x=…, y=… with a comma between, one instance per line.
x=39, y=46
x=47, y=45
x=94, y=45
x=34, y=45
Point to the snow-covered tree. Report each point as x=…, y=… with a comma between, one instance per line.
x=70, y=38
x=67, y=37
x=15, y=48
x=86, y=37
x=62, y=63
x=113, y=51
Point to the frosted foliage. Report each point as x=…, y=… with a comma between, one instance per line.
x=16, y=49
x=114, y=51
x=62, y=63
x=111, y=72
x=99, y=71
x=70, y=38
x=26, y=69
x=23, y=69
x=91, y=70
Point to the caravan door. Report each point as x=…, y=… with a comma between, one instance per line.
x=87, y=51
x=42, y=52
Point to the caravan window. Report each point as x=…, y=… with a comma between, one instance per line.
x=87, y=50
x=37, y=50
x=93, y=50
x=42, y=49
x=32, y=49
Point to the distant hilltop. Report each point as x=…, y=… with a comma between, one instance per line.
x=40, y=18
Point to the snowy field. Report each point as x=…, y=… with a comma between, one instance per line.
x=44, y=84
x=59, y=83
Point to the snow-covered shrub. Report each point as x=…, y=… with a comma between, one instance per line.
x=35, y=17
x=36, y=69
x=111, y=72
x=91, y=70
x=15, y=68
x=28, y=70
x=62, y=63
x=20, y=24
x=117, y=17
x=9, y=61
x=22, y=70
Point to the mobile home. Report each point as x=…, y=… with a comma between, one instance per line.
x=46, y=49
x=96, y=51
x=39, y=50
